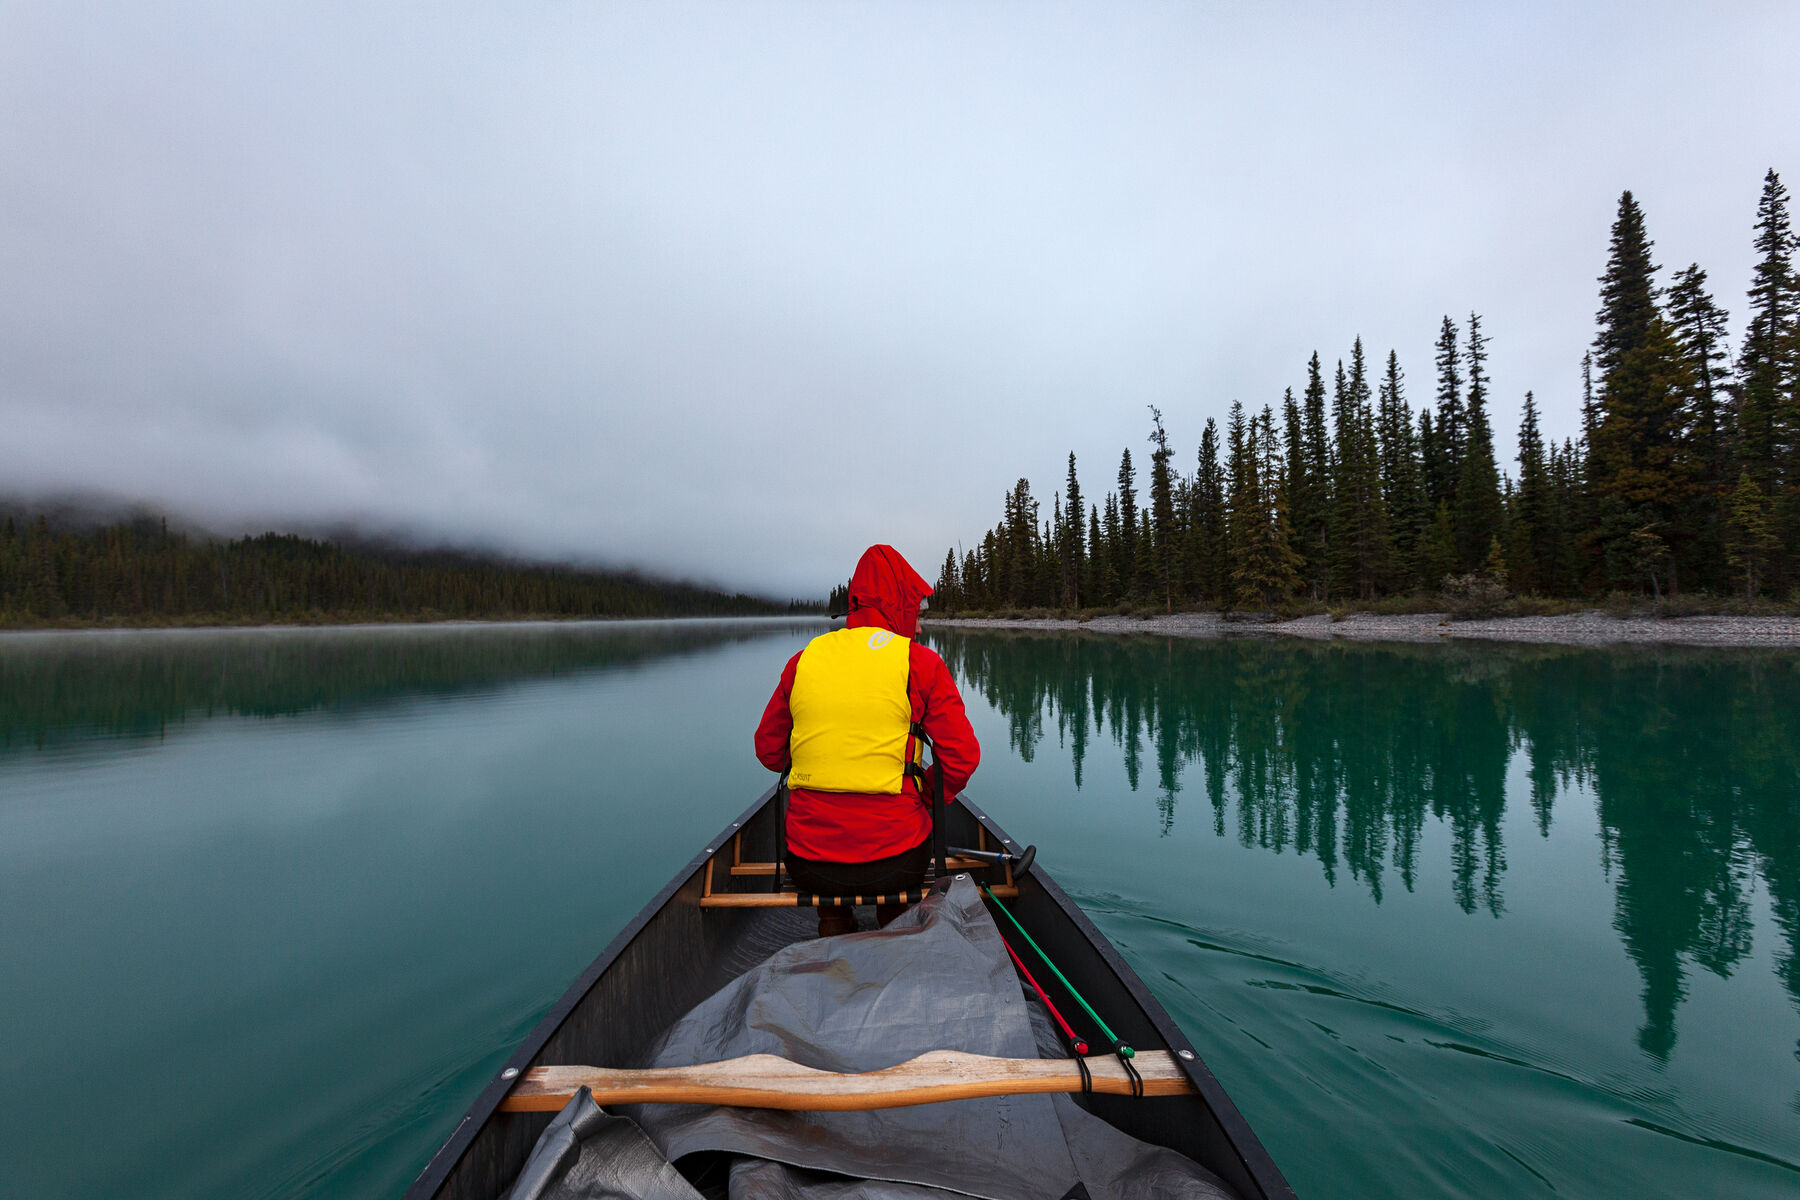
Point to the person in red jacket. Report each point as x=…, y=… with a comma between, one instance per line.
x=840, y=724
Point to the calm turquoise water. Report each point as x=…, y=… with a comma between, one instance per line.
x=1459, y=920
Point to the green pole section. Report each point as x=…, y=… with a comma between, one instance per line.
x=1124, y=1050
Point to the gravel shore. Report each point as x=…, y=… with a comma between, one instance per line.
x=1574, y=629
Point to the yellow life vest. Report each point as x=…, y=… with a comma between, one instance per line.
x=851, y=712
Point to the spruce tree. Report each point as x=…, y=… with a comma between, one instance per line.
x=1438, y=556
x=1240, y=468
x=1145, y=586
x=1639, y=488
x=1699, y=327
x=1400, y=470
x=1162, y=534
x=993, y=555
x=1531, y=517
x=1074, y=547
x=1448, y=427
x=1292, y=485
x=1575, y=509
x=1019, y=541
x=1112, y=587
x=1097, y=557
x=1262, y=563
x=1583, y=542
x=1128, y=525
x=1750, y=541
x=1627, y=292
x=1360, y=548
x=1306, y=485
x=1284, y=563
x=1590, y=412
x=1209, y=517
x=1767, y=416
x=1340, y=555
x=1478, y=510
x=1047, y=580
x=1632, y=460
x=1431, y=468
x=973, y=591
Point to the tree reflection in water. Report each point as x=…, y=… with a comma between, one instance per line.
x=1340, y=751
x=70, y=688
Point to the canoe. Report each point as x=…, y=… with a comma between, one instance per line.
x=720, y=916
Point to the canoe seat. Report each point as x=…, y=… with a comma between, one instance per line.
x=790, y=898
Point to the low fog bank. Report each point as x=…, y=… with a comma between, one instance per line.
x=86, y=511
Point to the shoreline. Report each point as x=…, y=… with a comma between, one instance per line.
x=1593, y=628
x=98, y=627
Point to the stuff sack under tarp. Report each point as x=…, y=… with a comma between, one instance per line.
x=937, y=978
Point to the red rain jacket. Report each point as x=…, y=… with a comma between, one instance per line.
x=852, y=827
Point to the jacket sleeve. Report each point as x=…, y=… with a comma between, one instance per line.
x=945, y=720
x=777, y=723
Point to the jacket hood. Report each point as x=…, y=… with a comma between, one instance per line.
x=886, y=591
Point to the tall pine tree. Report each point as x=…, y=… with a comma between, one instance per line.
x=1478, y=509
x=1767, y=416
x=1400, y=470
x=1126, y=546
x=1162, y=530
x=1447, y=430
x=1632, y=453
x=1074, y=541
x=1699, y=328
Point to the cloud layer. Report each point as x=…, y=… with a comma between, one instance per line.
x=732, y=291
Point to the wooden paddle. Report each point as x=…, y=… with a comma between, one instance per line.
x=767, y=1081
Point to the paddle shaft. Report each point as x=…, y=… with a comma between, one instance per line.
x=1075, y=1043
x=767, y=1081
x=1123, y=1050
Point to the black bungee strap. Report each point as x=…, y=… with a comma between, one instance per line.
x=1125, y=1055
x=1087, y=1077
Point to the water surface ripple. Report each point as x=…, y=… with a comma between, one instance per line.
x=1457, y=920
x=1464, y=920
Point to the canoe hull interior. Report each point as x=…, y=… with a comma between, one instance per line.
x=677, y=952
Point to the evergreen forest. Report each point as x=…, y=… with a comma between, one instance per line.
x=138, y=572
x=1685, y=479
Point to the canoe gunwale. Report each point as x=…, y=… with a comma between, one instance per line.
x=1254, y=1166
x=487, y=1103
x=1254, y=1158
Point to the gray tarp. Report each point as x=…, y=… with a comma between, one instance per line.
x=938, y=978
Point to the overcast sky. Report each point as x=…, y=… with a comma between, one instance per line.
x=732, y=291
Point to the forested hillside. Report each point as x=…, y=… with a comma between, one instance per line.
x=138, y=572
x=1685, y=478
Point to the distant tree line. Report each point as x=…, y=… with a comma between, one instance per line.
x=53, y=694
x=1686, y=475
x=139, y=571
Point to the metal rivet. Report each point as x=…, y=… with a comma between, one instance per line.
x=1187, y=1054
x=961, y=876
x=510, y=1073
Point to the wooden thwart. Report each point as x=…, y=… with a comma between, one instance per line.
x=792, y=899
x=712, y=899
x=768, y=1081
x=956, y=863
